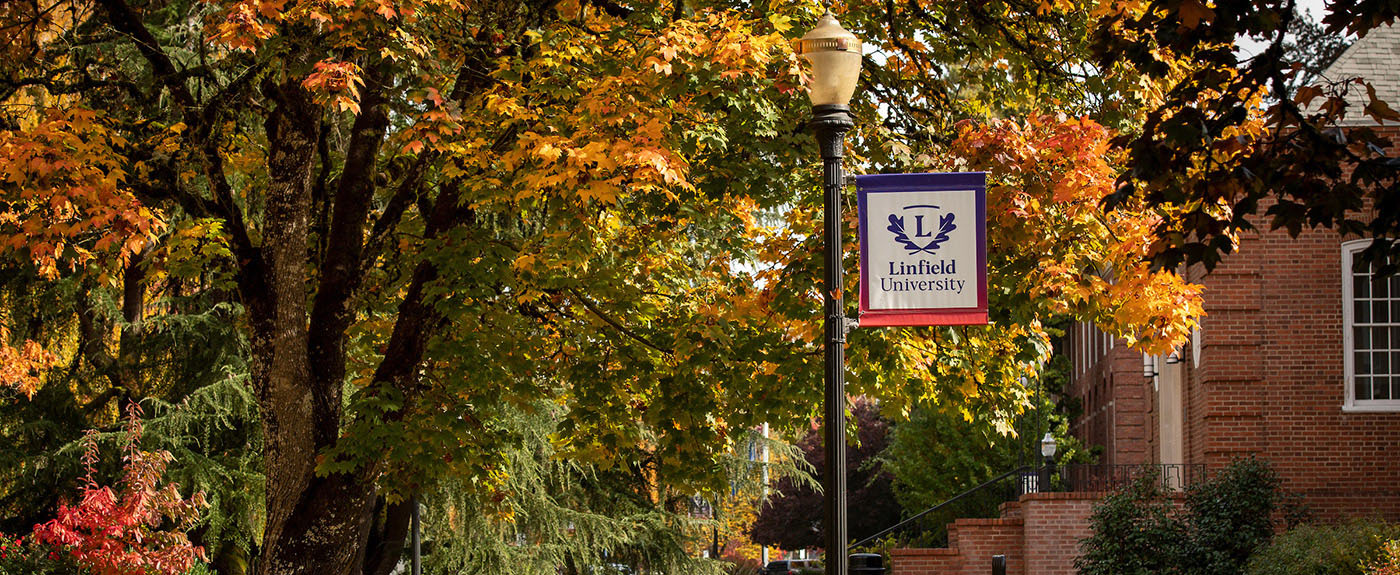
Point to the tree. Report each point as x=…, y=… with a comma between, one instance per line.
x=1312, y=46
x=1224, y=138
x=413, y=218
x=792, y=519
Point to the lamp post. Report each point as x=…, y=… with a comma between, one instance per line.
x=835, y=57
x=1047, y=449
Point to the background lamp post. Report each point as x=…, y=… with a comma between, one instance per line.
x=835, y=57
x=1047, y=450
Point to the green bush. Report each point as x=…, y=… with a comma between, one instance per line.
x=1137, y=531
x=25, y=556
x=1324, y=549
x=1228, y=518
x=1134, y=533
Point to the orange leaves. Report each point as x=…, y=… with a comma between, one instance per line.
x=720, y=41
x=246, y=25
x=439, y=123
x=1050, y=176
x=23, y=367
x=336, y=83
x=63, y=194
x=242, y=27
x=1047, y=165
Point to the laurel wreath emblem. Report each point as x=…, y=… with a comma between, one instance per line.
x=945, y=225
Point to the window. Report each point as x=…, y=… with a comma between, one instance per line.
x=1371, y=318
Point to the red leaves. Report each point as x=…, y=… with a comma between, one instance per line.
x=137, y=532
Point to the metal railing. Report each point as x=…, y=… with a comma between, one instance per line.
x=996, y=485
x=1064, y=478
x=1105, y=478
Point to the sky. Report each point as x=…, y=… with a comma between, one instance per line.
x=1313, y=8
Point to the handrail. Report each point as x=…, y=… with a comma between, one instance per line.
x=940, y=506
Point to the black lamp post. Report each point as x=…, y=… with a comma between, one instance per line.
x=835, y=57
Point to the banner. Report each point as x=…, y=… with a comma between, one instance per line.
x=923, y=249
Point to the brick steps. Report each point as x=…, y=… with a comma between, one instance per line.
x=1039, y=535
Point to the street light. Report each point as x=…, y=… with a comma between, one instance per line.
x=1047, y=449
x=835, y=57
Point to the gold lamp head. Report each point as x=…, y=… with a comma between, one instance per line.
x=835, y=57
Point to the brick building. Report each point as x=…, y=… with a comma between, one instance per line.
x=1297, y=362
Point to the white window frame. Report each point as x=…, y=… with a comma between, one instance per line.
x=1351, y=404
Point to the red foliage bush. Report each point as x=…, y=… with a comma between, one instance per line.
x=136, y=529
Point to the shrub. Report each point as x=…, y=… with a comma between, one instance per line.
x=26, y=556
x=1324, y=549
x=1134, y=533
x=1228, y=518
x=1389, y=561
x=1139, y=532
x=137, y=529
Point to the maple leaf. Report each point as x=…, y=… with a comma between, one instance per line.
x=1193, y=12
x=1306, y=94
x=1377, y=108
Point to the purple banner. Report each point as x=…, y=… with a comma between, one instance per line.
x=923, y=249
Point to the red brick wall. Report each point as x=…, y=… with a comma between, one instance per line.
x=925, y=562
x=971, y=545
x=1114, y=396
x=1054, y=525
x=1272, y=381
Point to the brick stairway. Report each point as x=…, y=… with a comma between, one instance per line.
x=1039, y=535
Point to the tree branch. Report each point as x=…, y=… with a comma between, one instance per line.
x=125, y=20
x=592, y=308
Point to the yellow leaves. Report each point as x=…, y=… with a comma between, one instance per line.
x=1158, y=310
x=548, y=152
x=197, y=248
x=569, y=9
x=1044, y=7
x=603, y=191
x=781, y=23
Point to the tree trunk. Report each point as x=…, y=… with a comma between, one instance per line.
x=321, y=525
x=274, y=290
